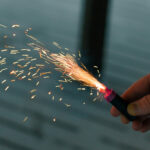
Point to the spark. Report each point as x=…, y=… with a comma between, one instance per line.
x=35, y=77
x=15, y=62
x=13, y=72
x=33, y=59
x=40, y=54
x=37, y=83
x=6, y=88
x=67, y=105
x=54, y=119
x=33, y=90
x=79, y=53
x=37, y=70
x=67, y=49
x=27, y=64
x=13, y=34
x=97, y=93
x=95, y=67
x=20, y=72
x=44, y=52
x=29, y=73
x=3, y=26
x=91, y=93
x=60, y=99
x=62, y=80
x=84, y=66
x=73, y=55
x=23, y=77
x=13, y=52
x=20, y=66
x=25, y=55
x=5, y=36
x=3, y=81
x=25, y=119
x=53, y=98
x=24, y=49
x=4, y=50
x=46, y=77
x=3, y=70
x=3, y=61
x=44, y=73
x=15, y=26
x=27, y=30
x=40, y=65
x=33, y=38
x=12, y=80
x=9, y=46
x=34, y=74
x=56, y=44
x=94, y=99
x=32, y=68
x=81, y=89
x=49, y=93
x=33, y=96
x=22, y=59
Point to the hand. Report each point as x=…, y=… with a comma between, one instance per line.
x=138, y=97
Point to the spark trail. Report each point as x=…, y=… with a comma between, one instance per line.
x=26, y=65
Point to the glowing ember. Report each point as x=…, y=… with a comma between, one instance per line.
x=67, y=105
x=3, y=81
x=25, y=119
x=1, y=25
x=54, y=119
x=60, y=99
x=6, y=88
x=15, y=26
x=33, y=96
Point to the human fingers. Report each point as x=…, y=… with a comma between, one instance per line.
x=114, y=111
x=133, y=93
x=137, y=124
x=140, y=107
x=138, y=89
x=146, y=126
x=124, y=120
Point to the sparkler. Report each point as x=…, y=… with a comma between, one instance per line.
x=68, y=65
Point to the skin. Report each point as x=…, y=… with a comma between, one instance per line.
x=139, y=95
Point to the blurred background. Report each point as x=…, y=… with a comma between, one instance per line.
x=112, y=34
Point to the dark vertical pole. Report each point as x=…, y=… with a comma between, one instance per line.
x=94, y=24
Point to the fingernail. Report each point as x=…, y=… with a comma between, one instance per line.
x=132, y=109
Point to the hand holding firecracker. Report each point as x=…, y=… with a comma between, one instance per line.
x=138, y=95
x=138, y=92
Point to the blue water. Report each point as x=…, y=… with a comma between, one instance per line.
x=82, y=126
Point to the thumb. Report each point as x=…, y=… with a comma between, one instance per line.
x=140, y=107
